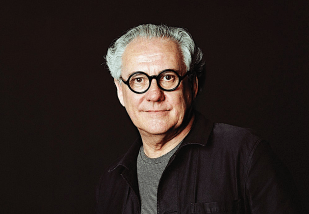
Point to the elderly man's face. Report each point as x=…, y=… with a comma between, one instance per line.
x=155, y=111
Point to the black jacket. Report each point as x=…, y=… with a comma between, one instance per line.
x=218, y=168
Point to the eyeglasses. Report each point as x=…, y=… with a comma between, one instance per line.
x=167, y=80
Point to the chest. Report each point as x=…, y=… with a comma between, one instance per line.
x=195, y=183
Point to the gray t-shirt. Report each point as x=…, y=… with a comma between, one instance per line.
x=149, y=172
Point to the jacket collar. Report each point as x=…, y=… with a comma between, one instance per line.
x=199, y=135
x=200, y=131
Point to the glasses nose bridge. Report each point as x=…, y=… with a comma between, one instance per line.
x=153, y=77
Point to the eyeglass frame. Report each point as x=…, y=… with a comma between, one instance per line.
x=150, y=78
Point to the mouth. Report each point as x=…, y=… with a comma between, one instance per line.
x=155, y=111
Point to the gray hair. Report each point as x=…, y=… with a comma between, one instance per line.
x=192, y=55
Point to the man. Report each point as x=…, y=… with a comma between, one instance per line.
x=182, y=162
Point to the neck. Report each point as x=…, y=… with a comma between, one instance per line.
x=158, y=145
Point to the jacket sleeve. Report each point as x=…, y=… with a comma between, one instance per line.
x=269, y=185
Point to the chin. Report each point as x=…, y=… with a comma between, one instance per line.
x=156, y=127
x=155, y=131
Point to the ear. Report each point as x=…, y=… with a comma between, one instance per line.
x=195, y=88
x=119, y=91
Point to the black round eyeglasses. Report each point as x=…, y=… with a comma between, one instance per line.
x=168, y=80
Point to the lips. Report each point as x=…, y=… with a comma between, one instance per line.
x=156, y=110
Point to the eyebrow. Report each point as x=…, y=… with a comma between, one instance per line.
x=168, y=69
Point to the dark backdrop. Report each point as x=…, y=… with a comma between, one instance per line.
x=62, y=124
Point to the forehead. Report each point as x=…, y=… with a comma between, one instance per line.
x=151, y=55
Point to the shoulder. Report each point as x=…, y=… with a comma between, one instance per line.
x=228, y=141
x=111, y=181
x=232, y=132
x=110, y=190
x=231, y=137
x=221, y=137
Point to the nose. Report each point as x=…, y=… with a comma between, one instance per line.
x=154, y=93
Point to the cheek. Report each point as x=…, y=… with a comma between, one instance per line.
x=181, y=103
x=131, y=101
x=188, y=94
x=188, y=98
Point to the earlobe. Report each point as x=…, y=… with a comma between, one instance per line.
x=119, y=91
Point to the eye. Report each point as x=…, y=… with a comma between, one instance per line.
x=138, y=79
x=169, y=77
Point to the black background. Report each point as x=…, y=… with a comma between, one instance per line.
x=61, y=121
